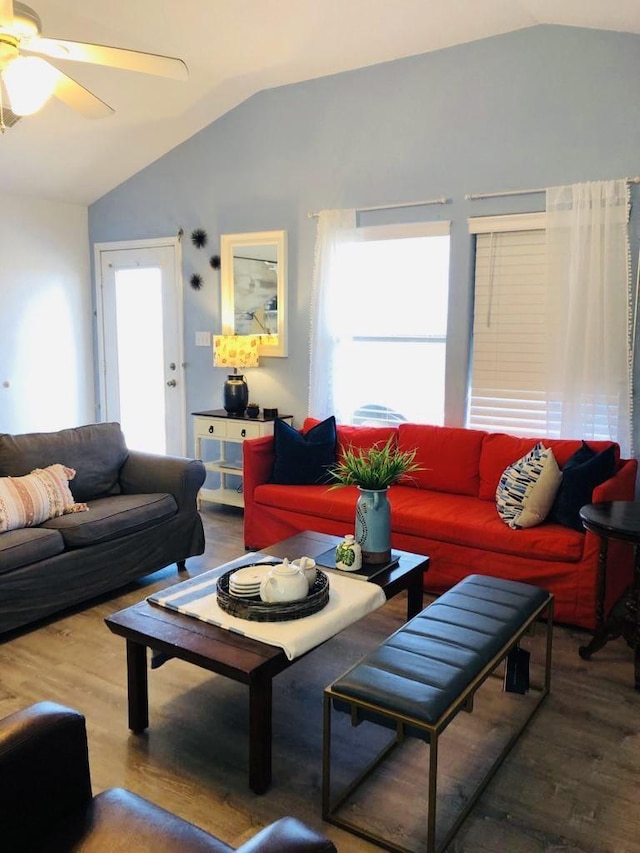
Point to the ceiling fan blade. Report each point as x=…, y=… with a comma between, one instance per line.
x=115, y=57
x=78, y=98
x=6, y=14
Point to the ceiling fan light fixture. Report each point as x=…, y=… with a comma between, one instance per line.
x=26, y=21
x=30, y=82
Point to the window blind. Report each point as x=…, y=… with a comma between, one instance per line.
x=509, y=347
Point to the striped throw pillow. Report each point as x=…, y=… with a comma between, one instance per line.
x=44, y=493
x=527, y=489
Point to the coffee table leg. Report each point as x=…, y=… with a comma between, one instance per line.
x=260, y=734
x=137, y=686
x=414, y=597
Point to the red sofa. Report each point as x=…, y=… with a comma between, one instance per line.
x=448, y=512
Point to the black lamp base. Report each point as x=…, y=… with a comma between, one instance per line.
x=236, y=394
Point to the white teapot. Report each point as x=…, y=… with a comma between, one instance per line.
x=285, y=582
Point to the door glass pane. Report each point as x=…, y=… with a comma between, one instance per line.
x=140, y=358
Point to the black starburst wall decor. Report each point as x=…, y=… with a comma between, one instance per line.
x=214, y=260
x=199, y=238
x=196, y=281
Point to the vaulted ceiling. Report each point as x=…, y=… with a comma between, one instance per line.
x=233, y=48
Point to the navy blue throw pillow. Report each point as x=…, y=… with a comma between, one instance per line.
x=304, y=460
x=582, y=472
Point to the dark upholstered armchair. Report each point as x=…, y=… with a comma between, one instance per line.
x=46, y=803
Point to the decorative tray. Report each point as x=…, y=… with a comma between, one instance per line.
x=256, y=610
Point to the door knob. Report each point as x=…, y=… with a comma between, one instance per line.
x=172, y=383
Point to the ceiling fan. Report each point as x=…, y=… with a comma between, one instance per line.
x=30, y=80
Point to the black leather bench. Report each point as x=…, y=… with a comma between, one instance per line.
x=421, y=676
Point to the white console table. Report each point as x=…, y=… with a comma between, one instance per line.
x=217, y=425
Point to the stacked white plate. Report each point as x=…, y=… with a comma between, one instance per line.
x=245, y=583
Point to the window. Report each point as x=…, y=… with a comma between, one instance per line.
x=389, y=325
x=552, y=321
x=509, y=365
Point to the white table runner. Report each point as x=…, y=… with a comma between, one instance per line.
x=349, y=600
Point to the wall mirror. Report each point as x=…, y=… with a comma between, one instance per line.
x=254, y=288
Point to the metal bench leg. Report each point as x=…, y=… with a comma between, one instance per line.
x=433, y=794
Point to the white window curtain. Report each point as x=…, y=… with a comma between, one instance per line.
x=335, y=228
x=589, y=312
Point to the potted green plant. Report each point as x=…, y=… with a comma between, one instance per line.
x=373, y=470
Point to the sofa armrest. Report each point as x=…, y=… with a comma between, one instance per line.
x=44, y=772
x=620, y=487
x=150, y=473
x=258, y=455
x=288, y=834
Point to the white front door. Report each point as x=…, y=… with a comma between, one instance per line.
x=139, y=300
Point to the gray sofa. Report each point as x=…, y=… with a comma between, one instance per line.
x=142, y=516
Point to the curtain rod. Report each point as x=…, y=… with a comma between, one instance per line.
x=444, y=200
x=474, y=196
x=440, y=200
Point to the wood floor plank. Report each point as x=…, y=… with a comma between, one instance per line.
x=570, y=785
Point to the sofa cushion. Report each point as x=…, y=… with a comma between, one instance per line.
x=449, y=457
x=28, y=545
x=119, y=820
x=527, y=489
x=29, y=500
x=500, y=450
x=303, y=458
x=585, y=470
x=318, y=501
x=96, y=452
x=467, y=521
x=113, y=517
x=456, y=519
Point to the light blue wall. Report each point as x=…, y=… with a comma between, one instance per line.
x=534, y=108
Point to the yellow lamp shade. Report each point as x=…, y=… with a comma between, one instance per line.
x=237, y=351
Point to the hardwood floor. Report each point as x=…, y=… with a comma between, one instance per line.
x=570, y=785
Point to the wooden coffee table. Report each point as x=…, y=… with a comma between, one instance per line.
x=247, y=661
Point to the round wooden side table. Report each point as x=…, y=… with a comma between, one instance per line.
x=616, y=520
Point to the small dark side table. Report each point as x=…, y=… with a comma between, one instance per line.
x=616, y=520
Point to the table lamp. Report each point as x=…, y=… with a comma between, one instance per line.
x=235, y=351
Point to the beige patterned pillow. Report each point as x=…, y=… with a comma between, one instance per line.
x=42, y=494
x=527, y=489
